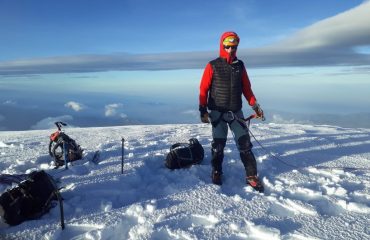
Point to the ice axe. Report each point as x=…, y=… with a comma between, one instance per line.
x=122, y=154
x=248, y=119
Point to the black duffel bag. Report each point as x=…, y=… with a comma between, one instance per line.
x=31, y=199
x=184, y=155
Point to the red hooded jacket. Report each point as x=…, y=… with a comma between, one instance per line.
x=206, y=81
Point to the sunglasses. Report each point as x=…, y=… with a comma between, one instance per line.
x=232, y=47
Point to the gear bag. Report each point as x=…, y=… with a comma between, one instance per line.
x=31, y=199
x=183, y=155
x=56, y=148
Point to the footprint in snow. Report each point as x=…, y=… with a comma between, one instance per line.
x=195, y=221
x=77, y=231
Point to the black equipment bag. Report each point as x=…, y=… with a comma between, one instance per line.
x=30, y=199
x=56, y=149
x=183, y=155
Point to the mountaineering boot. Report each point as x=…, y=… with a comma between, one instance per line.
x=255, y=183
x=216, y=177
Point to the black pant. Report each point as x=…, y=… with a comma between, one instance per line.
x=220, y=124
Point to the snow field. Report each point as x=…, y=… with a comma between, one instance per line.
x=149, y=201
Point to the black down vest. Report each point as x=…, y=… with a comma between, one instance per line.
x=226, y=87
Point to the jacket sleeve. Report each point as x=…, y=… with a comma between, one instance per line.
x=247, y=89
x=205, y=84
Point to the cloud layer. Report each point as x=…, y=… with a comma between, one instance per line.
x=330, y=42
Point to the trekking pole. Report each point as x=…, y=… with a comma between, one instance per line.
x=250, y=117
x=65, y=149
x=60, y=199
x=253, y=116
x=123, y=149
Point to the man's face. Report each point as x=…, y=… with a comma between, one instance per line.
x=230, y=49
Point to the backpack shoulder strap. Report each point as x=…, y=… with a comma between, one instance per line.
x=176, y=145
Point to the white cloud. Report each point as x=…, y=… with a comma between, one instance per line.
x=74, y=106
x=329, y=42
x=9, y=102
x=123, y=115
x=332, y=41
x=348, y=29
x=48, y=123
x=111, y=109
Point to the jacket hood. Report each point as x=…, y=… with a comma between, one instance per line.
x=223, y=53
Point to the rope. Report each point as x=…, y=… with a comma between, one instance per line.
x=247, y=120
x=270, y=153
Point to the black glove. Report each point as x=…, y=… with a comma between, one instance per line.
x=256, y=107
x=204, y=117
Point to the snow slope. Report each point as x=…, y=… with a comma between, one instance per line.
x=149, y=201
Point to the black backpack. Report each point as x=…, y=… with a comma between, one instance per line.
x=30, y=199
x=56, y=148
x=183, y=155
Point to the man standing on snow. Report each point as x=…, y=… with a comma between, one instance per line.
x=224, y=81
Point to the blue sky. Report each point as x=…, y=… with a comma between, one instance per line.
x=301, y=56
